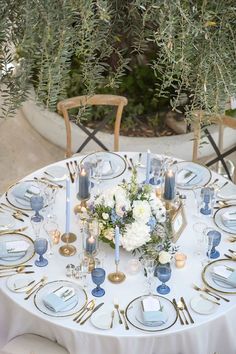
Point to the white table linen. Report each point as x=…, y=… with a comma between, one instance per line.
x=209, y=333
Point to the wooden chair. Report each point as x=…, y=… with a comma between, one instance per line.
x=199, y=127
x=96, y=100
x=32, y=344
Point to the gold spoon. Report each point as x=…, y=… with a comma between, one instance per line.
x=181, y=308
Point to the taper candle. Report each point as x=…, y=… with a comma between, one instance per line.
x=117, y=244
x=169, y=190
x=148, y=163
x=67, y=206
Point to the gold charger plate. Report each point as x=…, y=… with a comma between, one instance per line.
x=52, y=286
x=135, y=306
x=16, y=236
x=210, y=283
x=13, y=201
x=218, y=218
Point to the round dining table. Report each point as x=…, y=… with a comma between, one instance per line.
x=209, y=334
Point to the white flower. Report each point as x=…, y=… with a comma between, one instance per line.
x=136, y=235
x=106, y=199
x=164, y=257
x=105, y=216
x=141, y=210
x=109, y=234
x=158, y=208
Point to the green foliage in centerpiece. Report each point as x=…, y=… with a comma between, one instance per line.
x=135, y=209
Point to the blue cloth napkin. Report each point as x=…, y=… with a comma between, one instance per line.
x=4, y=253
x=57, y=304
x=154, y=318
x=231, y=280
x=23, y=191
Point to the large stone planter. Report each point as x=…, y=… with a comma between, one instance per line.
x=51, y=126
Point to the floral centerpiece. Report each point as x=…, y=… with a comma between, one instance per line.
x=138, y=212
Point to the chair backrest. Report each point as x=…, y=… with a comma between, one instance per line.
x=95, y=100
x=222, y=121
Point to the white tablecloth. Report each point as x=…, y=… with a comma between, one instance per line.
x=209, y=333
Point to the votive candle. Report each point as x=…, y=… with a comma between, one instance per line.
x=117, y=244
x=169, y=190
x=67, y=206
x=148, y=163
x=90, y=244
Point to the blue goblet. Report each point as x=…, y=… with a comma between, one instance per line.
x=41, y=246
x=37, y=203
x=98, y=277
x=163, y=272
x=214, y=237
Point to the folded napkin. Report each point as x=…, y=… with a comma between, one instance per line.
x=60, y=300
x=152, y=314
x=224, y=274
x=229, y=219
x=107, y=168
x=186, y=176
x=24, y=191
x=13, y=249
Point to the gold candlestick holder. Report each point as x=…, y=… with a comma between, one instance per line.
x=116, y=277
x=68, y=250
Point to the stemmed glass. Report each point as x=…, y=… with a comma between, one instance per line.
x=50, y=194
x=214, y=238
x=36, y=203
x=98, y=277
x=156, y=170
x=149, y=266
x=96, y=172
x=51, y=228
x=41, y=246
x=163, y=272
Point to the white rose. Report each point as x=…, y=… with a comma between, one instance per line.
x=105, y=216
x=141, y=210
x=109, y=234
x=136, y=235
x=164, y=257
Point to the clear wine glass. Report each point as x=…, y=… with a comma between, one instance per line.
x=149, y=265
x=96, y=172
x=41, y=246
x=98, y=277
x=163, y=272
x=51, y=228
x=50, y=194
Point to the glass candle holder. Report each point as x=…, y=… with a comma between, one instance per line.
x=180, y=260
x=90, y=237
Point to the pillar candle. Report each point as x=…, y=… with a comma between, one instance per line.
x=148, y=162
x=117, y=244
x=67, y=206
x=169, y=190
x=83, y=184
x=90, y=244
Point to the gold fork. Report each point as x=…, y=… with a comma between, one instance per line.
x=125, y=321
x=90, y=305
x=116, y=305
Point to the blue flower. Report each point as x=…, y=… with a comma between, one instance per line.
x=152, y=223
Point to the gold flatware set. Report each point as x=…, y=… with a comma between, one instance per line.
x=73, y=168
x=20, y=212
x=88, y=309
x=182, y=310
x=35, y=287
x=232, y=255
x=211, y=293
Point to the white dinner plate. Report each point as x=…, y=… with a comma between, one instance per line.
x=19, y=283
x=15, y=194
x=28, y=254
x=6, y=221
x=134, y=307
x=102, y=319
x=220, y=222
x=215, y=284
x=114, y=165
x=51, y=287
x=201, y=175
x=202, y=306
x=56, y=173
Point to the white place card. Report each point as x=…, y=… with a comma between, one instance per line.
x=151, y=304
x=16, y=246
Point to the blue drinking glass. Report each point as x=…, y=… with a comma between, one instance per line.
x=41, y=246
x=37, y=203
x=163, y=272
x=98, y=277
x=214, y=237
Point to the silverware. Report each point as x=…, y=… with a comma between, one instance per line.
x=116, y=305
x=13, y=231
x=70, y=173
x=186, y=309
x=95, y=309
x=49, y=183
x=24, y=286
x=42, y=280
x=225, y=184
x=178, y=312
x=181, y=308
x=207, y=298
x=74, y=173
x=112, y=318
x=132, y=164
x=5, y=268
x=206, y=291
x=32, y=292
x=89, y=307
x=233, y=258
x=15, y=214
x=14, y=209
x=125, y=320
x=209, y=292
x=128, y=163
x=15, y=272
